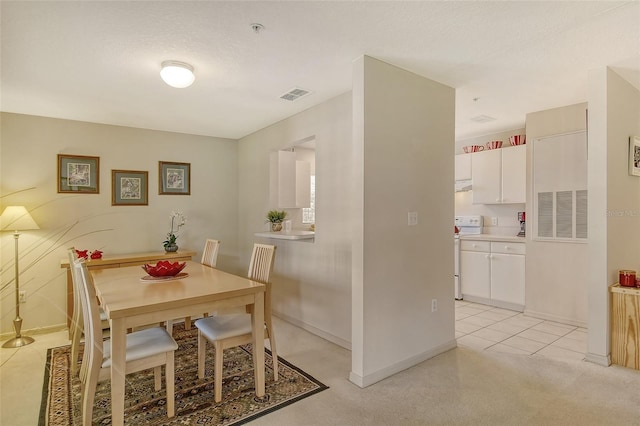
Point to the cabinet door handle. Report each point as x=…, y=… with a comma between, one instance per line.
x=488, y=256
x=507, y=248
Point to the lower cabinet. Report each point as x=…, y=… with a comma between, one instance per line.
x=493, y=272
x=475, y=269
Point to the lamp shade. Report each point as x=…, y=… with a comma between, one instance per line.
x=17, y=218
x=177, y=74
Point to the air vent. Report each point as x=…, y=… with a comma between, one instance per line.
x=482, y=119
x=295, y=94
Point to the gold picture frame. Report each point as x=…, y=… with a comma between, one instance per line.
x=634, y=155
x=129, y=188
x=78, y=174
x=175, y=178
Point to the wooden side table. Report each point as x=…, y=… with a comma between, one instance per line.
x=625, y=323
x=119, y=261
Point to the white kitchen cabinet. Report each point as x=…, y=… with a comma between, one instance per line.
x=475, y=269
x=289, y=180
x=499, y=175
x=507, y=272
x=303, y=184
x=514, y=174
x=463, y=167
x=493, y=272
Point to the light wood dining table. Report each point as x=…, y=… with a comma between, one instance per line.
x=131, y=302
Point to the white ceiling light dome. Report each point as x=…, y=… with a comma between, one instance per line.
x=177, y=74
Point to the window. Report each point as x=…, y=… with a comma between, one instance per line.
x=309, y=214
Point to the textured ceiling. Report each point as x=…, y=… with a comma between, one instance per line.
x=100, y=61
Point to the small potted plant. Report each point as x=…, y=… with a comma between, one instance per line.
x=276, y=218
x=178, y=220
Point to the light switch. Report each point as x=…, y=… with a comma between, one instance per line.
x=413, y=218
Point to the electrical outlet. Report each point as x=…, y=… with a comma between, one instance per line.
x=22, y=295
x=494, y=221
x=434, y=305
x=413, y=218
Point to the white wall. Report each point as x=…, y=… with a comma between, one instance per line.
x=507, y=214
x=614, y=195
x=403, y=155
x=556, y=273
x=312, y=280
x=29, y=146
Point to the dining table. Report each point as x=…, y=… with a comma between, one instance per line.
x=131, y=298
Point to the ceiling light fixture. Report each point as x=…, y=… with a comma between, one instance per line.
x=177, y=74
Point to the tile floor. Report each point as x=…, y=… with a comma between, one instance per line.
x=489, y=328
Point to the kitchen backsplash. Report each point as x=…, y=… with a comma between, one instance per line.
x=506, y=214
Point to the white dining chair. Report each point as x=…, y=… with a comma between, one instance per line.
x=76, y=327
x=227, y=331
x=209, y=258
x=210, y=252
x=148, y=348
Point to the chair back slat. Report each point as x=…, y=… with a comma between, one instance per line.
x=93, y=326
x=76, y=326
x=76, y=316
x=210, y=253
x=261, y=263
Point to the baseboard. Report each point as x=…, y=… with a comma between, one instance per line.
x=555, y=318
x=476, y=299
x=314, y=330
x=493, y=302
x=605, y=361
x=376, y=376
x=34, y=331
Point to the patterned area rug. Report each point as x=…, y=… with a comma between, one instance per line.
x=194, y=397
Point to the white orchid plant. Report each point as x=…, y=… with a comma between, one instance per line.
x=178, y=220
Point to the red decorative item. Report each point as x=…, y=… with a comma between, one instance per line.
x=517, y=140
x=82, y=254
x=494, y=144
x=97, y=254
x=164, y=268
x=472, y=148
x=627, y=278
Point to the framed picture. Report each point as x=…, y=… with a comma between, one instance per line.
x=175, y=178
x=129, y=188
x=634, y=155
x=78, y=174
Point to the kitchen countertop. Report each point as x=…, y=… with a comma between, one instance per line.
x=492, y=237
x=287, y=235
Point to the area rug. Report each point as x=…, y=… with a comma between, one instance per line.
x=194, y=399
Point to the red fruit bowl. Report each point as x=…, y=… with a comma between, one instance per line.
x=164, y=268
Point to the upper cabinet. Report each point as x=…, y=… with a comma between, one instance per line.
x=499, y=175
x=290, y=180
x=463, y=167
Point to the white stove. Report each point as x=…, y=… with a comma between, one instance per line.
x=467, y=225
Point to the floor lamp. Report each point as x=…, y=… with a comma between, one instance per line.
x=16, y=219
